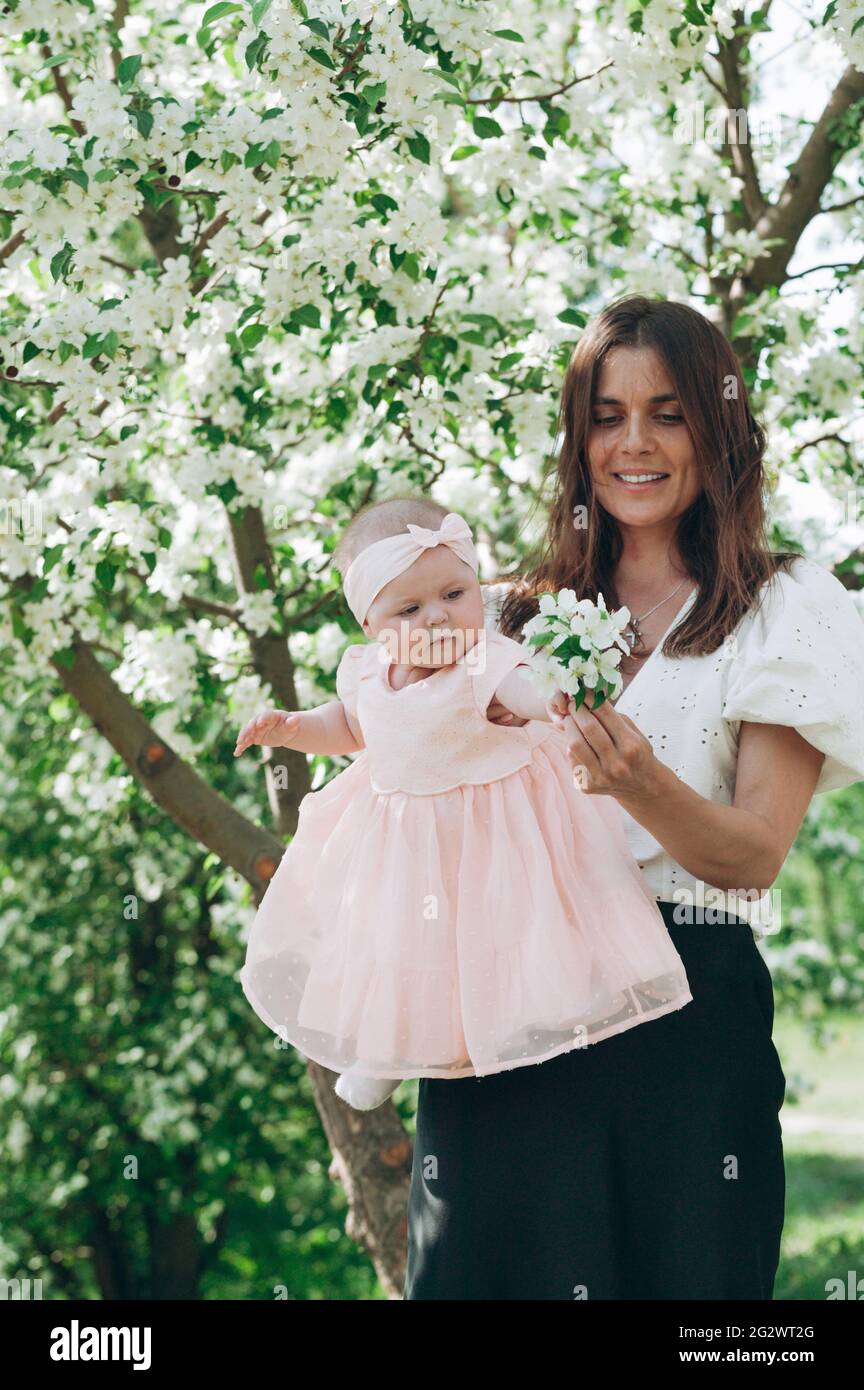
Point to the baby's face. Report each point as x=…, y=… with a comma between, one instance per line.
x=431, y=613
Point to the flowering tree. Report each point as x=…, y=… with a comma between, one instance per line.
x=262, y=262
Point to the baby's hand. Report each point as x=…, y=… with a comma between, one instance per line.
x=559, y=706
x=274, y=728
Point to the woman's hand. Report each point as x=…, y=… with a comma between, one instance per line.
x=609, y=754
x=274, y=728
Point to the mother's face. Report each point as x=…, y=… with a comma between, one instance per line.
x=637, y=428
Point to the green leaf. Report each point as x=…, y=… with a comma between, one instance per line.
x=318, y=27
x=65, y=351
x=486, y=128
x=152, y=195
x=30, y=351
x=105, y=573
x=308, y=314
x=251, y=336
x=149, y=559
x=375, y=92
x=165, y=537
x=260, y=580
x=128, y=69
x=77, y=176
x=465, y=151
x=508, y=34
x=419, y=147
x=573, y=316
x=64, y=658
x=259, y=9
x=60, y=261
x=37, y=591
x=255, y=49
x=226, y=492
x=693, y=14
x=20, y=628
x=323, y=58
x=142, y=119
x=50, y=556
x=57, y=59
x=217, y=11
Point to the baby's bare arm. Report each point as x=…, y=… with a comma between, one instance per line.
x=324, y=729
x=518, y=693
x=327, y=729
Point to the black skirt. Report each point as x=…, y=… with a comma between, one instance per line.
x=648, y=1165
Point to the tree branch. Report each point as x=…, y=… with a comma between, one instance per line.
x=798, y=202
x=272, y=661
x=208, y=817
x=740, y=154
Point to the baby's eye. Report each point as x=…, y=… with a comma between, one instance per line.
x=406, y=612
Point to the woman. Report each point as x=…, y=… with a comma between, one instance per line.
x=651, y=1165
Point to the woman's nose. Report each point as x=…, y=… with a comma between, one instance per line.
x=637, y=434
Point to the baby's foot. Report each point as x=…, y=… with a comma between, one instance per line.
x=364, y=1092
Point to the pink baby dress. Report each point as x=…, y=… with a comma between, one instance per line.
x=452, y=903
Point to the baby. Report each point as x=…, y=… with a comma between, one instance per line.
x=451, y=904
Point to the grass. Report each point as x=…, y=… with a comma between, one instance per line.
x=823, y=1140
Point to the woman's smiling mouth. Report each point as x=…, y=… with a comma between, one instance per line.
x=636, y=482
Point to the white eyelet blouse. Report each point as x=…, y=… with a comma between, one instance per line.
x=795, y=659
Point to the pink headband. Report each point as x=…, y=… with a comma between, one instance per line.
x=383, y=560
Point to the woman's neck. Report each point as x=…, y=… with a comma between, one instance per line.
x=648, y=571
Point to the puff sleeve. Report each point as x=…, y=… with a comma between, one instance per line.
x=492, y=597
x=348, y=672
x=798, y=660
x=495, y=659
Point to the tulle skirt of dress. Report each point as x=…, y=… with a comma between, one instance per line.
x=462, y=933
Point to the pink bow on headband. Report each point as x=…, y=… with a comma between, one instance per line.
x=452, y=528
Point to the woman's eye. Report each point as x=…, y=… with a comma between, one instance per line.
x=612, y=419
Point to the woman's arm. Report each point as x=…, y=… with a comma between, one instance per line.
x=740, y=847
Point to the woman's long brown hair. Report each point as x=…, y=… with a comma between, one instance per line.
x=721, y=538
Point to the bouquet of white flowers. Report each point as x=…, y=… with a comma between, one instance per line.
x=576, y=646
